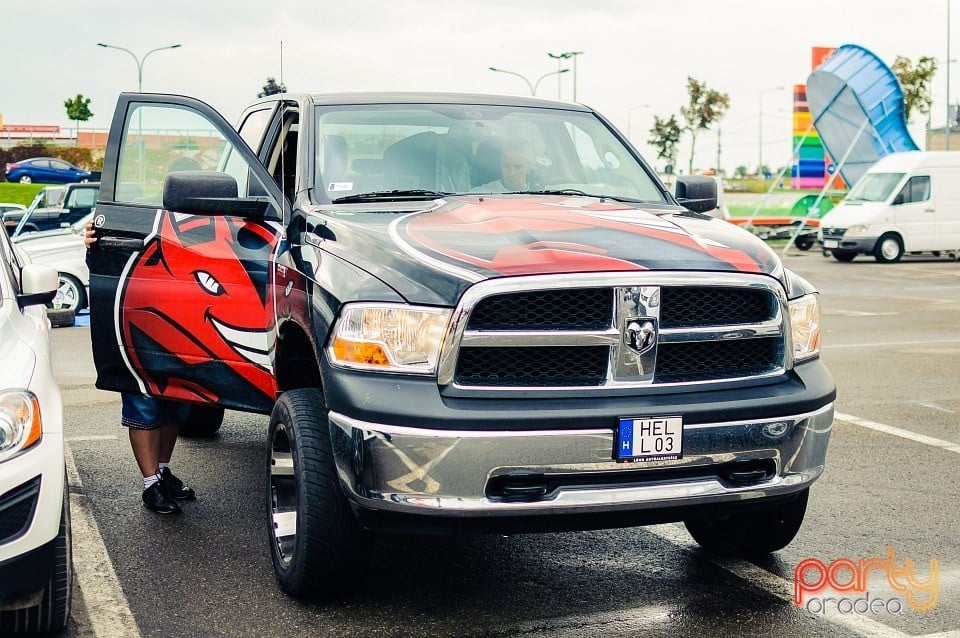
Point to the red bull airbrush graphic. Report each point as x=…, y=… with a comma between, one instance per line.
x=212, y=332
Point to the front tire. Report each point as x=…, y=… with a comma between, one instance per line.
x=844, y=255
x=751, y=533
x=51, y=613
x=889, y=249
x=315, y=540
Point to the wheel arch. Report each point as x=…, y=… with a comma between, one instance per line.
x=297, y=360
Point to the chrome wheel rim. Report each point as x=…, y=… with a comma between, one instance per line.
x=283, y=496
x=68, y=296
x=890, y=248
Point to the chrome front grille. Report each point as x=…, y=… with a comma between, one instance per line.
x=616, y=330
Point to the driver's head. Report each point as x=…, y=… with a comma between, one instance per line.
x=516, y=162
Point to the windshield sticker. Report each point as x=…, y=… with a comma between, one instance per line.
x=340, y=186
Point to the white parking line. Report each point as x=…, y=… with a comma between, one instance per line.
x=904, y=434
x=106, y=607
x=888, y=344
x=773, y=584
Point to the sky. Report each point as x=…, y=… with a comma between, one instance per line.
x=636, y=55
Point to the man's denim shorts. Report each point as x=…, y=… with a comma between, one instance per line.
x=142, y=412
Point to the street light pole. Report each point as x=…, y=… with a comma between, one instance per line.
x=559, y=57
x=139, y=61
x=760, y=127
x=947, y=127
x=630, y=118
x=532, y=86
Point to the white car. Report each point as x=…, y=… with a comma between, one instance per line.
x=35, y=550
x=63, y=249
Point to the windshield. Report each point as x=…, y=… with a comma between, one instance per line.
x=874, y=187
x=428, y=150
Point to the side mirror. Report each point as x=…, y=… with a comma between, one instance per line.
x=209, y=193
x=697, y=193
x=39, y=283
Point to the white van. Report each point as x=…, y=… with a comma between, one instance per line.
x=906, y=203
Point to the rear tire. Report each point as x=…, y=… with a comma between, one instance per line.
x=315, y=540
x=26, y=179
x=751, y=533
x=61, y=317
x=804, y=243
x=51, y=613
x=889, y=249
x=204, y=421
x=844, y=255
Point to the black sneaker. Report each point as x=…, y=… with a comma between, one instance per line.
x=156, y=500
x=175, y=487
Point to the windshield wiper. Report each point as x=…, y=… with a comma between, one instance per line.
x=574, y=191
x=375, y=196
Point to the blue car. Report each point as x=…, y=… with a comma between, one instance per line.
x=45, y=170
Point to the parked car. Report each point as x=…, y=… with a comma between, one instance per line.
x=35, y=549
x=63, y=249
x=45, y=170
x=57, y=209
x=10, y=207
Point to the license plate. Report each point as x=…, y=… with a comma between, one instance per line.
x=649, y=439
x=831, y=243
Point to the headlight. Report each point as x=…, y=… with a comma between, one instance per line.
x=805, y=327
x=20, y=425
x=857, y=230
x=391, y=338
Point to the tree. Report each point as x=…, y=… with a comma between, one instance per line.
x=915, y=82
x=78, y=110
x=272, y=88
x=740, y=171
x=705, y=107
x=665, y=137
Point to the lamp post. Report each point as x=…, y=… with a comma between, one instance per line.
x=566, y=55
x=139, y=61
x=630, y=118
x=559, y=57
x=760, y=126
x=532, y=86
x=947, y=127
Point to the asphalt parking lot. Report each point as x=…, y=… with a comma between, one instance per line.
x=891, y=340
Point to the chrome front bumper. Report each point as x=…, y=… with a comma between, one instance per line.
x=448, y=474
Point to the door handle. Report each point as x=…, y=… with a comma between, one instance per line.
x=929, y=210
x=120, y=243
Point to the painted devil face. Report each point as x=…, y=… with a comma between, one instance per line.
x=195, y=313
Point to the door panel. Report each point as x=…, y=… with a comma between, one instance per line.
x=181, y=305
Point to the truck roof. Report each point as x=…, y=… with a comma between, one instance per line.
x=910, y=160
x=380, y=97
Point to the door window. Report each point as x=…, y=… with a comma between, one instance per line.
x=159, y=139
x=917, y=189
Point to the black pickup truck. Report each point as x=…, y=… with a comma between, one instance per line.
x=463, y=313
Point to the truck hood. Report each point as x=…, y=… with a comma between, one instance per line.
x=847, y=214
x=430, y=252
